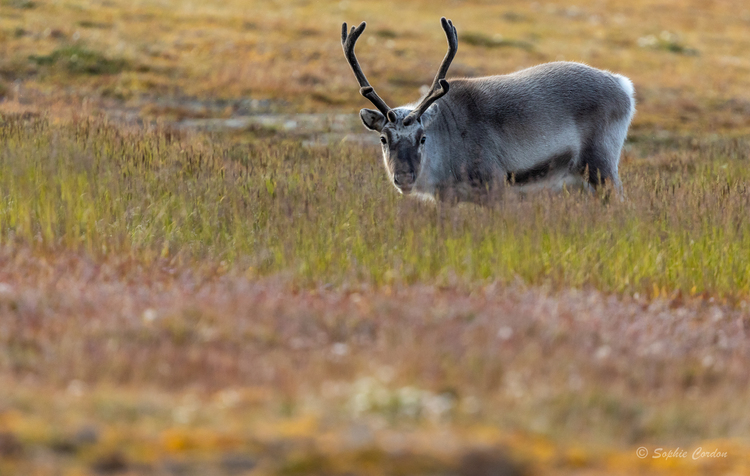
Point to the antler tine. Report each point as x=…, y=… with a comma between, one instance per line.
x=439, y=86
x=348, y=40
x=452, y=36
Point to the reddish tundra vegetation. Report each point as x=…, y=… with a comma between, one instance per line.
x=151, y=367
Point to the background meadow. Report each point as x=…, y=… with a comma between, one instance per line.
x=204, y=270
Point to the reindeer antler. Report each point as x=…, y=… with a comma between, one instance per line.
x=439, y=85
x=348, y=40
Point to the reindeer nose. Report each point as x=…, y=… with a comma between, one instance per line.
x=406, y=178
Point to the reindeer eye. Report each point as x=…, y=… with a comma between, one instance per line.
x=383, y=140
x=423, y=139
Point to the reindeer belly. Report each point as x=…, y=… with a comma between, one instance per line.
x=529, y=154
x=554, y=182
x=555, y=165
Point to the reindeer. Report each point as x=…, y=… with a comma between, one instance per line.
x=551, y=126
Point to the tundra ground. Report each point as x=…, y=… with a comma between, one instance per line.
x=175, y=302
x=193, y=280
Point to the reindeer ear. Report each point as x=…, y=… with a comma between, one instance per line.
x=430, y=114
x=372, y=119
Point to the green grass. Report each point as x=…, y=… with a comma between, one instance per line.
x=328, y=215
x=79, y=60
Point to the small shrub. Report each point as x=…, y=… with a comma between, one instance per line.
x=93, y=24
x=666, y=41
x=20, y=4
x=386, y=33
x=4, y=89
x=486, y=41
x=78, y=60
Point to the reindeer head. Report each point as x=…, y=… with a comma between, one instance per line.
x=402, y=130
